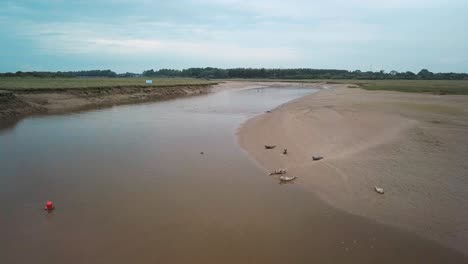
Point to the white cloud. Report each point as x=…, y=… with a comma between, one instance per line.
x=314, y=9
x=265, y=42
x=393, y=4
x=237, y=32
x=292, y=9
x=107, y=40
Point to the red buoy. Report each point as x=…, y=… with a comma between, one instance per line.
x=49, y=206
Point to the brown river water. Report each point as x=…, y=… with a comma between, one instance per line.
x=130, y=186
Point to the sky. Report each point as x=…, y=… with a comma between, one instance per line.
x=136, y=35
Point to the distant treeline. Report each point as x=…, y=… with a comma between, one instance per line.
x=217, y=73
x=68, y=74
x=301, y=73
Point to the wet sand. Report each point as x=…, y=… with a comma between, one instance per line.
x=412, y=145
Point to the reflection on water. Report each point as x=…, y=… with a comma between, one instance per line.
x=130, y=186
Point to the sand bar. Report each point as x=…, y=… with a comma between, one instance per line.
x=412, y=145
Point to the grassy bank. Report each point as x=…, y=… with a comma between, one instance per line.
x=23, y=96
x=31, y=83
x=413, y=86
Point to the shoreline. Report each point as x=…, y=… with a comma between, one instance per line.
x=16, y=105
x=23, y=103
x=412, y=145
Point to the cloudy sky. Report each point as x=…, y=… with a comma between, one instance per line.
x=134, y=35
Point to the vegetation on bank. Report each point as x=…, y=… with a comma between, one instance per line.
x=421, y=86
x=68, y=74
x=32, y=83
x=417, y=86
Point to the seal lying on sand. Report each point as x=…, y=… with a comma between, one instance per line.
x=270, y=147
x=279, y=171
x=379, y=190
x=287, y=178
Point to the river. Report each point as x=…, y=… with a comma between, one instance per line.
x=130, y=185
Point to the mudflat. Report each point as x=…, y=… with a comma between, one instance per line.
x=414, y=146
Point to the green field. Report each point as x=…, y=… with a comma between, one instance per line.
x=415, y=86
x=412, y=86
x=31, y=83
